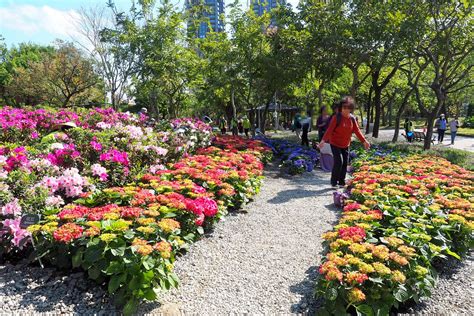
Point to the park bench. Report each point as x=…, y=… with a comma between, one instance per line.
x=419, y=137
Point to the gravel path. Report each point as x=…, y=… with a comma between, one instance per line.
x=261, y=262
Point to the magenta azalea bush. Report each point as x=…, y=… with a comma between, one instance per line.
x=43, y=169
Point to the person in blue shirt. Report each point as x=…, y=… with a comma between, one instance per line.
x=441, y=124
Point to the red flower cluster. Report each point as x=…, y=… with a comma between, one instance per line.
x=68, y=232
x=354, y=233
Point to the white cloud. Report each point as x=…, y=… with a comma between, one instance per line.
x=34, y=20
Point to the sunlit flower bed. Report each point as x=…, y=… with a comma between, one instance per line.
x=128, y=236
x=43, y=169
x=403, y=213
x=295, y=158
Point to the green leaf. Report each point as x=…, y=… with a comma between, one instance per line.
x=150, y=294
x=94, y=272
x=453, y=254
x=131, y=307
x=115, y=282
x=331, y=294
x=93, y=254
x=134, y=283
x=149, y=263
x=118, y=252
x=148, y=276
x=77, y=258
x=364, y=310
x=401, y=295
x=115, y=267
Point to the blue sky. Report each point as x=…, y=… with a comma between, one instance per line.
x=43, y=21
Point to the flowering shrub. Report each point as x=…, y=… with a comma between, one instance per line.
x=296, y=158
x=128, y=236
x=108, y=149
x=404, y=212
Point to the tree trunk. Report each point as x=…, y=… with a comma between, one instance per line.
x=400, y=112
x=429, y=132
x=369, y=108
x=377, y=101
x=264, y=116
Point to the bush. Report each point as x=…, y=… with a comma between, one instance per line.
x=404, y=212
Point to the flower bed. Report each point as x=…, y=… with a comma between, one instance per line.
x=404, y=212
x=107, y=149
x=129, y=236
x=296, y=158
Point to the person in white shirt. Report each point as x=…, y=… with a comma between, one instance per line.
x=453, y=126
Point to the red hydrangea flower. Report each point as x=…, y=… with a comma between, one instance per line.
x=68, y=232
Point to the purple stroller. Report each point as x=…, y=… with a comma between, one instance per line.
x=326, y=161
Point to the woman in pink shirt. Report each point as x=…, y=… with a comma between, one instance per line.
x=338, y=135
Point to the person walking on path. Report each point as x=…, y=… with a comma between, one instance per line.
x=223, y=125
x=338, y=135
x=442, y=125
x=408, y=126
x=234, y=127
x=306, y=128
x=453, y=126
x=322, y=122
x=246, y=124
x=297, y=125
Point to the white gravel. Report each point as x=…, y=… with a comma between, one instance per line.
x=263, y=261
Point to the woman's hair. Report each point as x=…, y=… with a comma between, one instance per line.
x=322, y=109
x=346, y=100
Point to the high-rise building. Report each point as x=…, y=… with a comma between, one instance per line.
x=261, y=6
x=213, y=12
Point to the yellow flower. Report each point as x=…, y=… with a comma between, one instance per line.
x=50, y=227
x=107, y=237
x=111, y=216
x=144, y=250
x=52, y=218
x=34, y=228
x=145, y=221
x=168, y=225
x=407, y=251
x=401, y=260
x=356, y=295
x=358, y=248
x=398, y=276
x=421, y=271
x=93, y=224
x=146, y=229
x=329, y=235
x=381, y=269
x=381, y=252
x=365, y=225
x=120, y=225
x=394, y=241
x=365, y=267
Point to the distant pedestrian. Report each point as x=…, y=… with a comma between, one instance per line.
x=240, y=126
x=297, y=125
x=339, y=134
x=246, y=125
x=441, y=124
x=322, y=122
x=223, y=125
x=453, y=126
x=408, y=126
x=233, y=126
x=306, y=128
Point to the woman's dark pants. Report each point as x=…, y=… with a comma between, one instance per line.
x=340, y=156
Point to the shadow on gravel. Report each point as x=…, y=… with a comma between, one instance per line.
x=308, y=305
x=299, y=193
x=51, y=291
